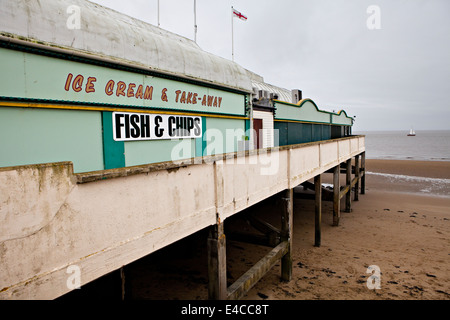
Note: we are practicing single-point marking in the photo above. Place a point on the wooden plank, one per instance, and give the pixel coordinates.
(262, 226)
(327, 195)
(318, 211)
(258, 239)
(239, 288)
(345, 189)
(308, 185)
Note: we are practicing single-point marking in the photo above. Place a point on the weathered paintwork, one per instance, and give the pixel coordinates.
(103, 32)
(100, 221)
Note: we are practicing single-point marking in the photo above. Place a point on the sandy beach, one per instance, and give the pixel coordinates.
(405, 233)
(395, 226)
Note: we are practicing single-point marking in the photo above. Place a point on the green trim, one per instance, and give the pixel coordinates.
(200, 144)
(113, 151)
(247, 125)
(204, 142)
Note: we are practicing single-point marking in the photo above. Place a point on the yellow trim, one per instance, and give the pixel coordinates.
(90, 108)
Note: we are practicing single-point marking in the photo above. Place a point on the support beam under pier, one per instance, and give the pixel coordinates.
(336, 196)
(348, 182)
(318, 210)
(357, 177)
(217, 264)
(287, 211)
(217, 288)
(363, 172)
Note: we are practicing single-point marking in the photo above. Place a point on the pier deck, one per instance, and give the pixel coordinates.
(59, 228)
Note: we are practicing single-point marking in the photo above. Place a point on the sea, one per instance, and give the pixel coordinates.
(396, 145)
(425, 146)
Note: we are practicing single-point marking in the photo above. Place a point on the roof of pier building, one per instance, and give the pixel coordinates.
(107, 34)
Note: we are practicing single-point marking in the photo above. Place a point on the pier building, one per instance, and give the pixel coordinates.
(119, 138)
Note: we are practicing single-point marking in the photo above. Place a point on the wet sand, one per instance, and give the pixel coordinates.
(407, 235)
(431, 169)
(397, 227)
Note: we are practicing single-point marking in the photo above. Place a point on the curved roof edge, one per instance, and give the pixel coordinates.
(103, 32)
(303, 101)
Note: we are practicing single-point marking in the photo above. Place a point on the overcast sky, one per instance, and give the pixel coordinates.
(391, 76)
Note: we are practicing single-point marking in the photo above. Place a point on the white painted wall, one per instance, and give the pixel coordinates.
(267, 118)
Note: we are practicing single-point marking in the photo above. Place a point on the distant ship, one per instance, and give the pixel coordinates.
(411, 133)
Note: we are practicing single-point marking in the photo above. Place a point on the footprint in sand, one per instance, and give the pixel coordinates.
(351, 270)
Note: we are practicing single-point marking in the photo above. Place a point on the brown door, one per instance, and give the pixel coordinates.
(257, 129)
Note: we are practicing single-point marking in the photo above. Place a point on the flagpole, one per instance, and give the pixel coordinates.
(232, 34)
(195, 21)
(158, 15)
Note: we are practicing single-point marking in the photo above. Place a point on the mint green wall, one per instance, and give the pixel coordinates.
(32, 76)
(37, 135)
(306, 112)
(144, 152)
(341, 119)
(221, 135)
(31, 136)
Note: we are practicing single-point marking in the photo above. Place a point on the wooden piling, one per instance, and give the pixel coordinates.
(348, 184)
(122, 280)
(286, 233)
(318, 210)
(217, 266)
(357, 176)
(336, 196)
(363, 172)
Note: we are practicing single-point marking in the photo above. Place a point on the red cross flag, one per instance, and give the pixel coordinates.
(237, 14)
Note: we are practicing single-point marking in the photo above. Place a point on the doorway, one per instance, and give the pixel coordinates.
(257, 129)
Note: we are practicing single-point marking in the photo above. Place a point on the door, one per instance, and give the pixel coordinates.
(257, 129)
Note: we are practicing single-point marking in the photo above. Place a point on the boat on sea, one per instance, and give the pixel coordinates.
(411, 133)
